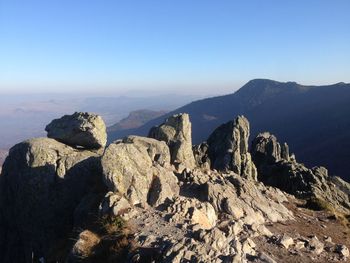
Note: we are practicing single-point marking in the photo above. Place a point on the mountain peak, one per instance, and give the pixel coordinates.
(257, 91)
(263, 84)
(262, 81)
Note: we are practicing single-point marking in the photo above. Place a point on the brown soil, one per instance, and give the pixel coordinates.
(306, 224)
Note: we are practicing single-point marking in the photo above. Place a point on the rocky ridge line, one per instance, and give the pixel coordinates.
(205, 205)
(276, 167)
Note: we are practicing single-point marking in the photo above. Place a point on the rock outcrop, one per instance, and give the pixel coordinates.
(42, 183)
(139, 169)
(228, 148)
(266, 149)
(244, 199)
(214, 220)
(176, 132)
(278, 169)
(213, 209)
(79, 129)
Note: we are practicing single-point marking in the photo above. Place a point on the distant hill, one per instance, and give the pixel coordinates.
(314, 120)
(135, 119)
(114, 109)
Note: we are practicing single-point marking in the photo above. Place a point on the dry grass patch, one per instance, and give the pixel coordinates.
(110, 241)
(319, 204)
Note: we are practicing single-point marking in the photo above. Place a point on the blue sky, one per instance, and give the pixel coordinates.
(183, 45)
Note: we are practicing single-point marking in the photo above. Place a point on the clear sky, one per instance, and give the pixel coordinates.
(191, 45)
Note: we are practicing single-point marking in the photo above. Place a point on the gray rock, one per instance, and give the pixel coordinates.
(280, 170)
(228, 148)
(328, 239)
(231, 207)
(204, 216)
(341, 184)
(114, 204)
(266, 149)
(243, 199)
(285, 152)
(265, 258)
(196, 231)
(316, 245)
(79, 129)
(200, 214)
(285, 241)
(200, 153)
(164, 186)
(342, 250)
(248, 247)
(42, 184)
(136, 167)
(177, 133)
(299, 245)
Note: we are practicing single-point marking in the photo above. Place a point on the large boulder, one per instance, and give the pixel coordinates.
(42, 184)
(278, 169)
(176, 132)
(228, 148)
(82, 129)
(139, 169)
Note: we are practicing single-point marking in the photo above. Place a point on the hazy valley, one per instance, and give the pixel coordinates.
(24, 116)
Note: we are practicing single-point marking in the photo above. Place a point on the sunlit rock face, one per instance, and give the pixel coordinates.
(79, 129)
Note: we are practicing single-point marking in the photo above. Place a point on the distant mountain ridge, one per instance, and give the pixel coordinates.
(135, 119)
(313, 119)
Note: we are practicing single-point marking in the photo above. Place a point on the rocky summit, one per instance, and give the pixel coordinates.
(70, 198)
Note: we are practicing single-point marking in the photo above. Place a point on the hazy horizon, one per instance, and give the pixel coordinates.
(197, 47)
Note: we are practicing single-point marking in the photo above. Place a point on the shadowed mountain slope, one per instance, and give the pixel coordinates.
(314, 120)
(135, 119)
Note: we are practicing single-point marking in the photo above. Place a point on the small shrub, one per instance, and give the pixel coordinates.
(114, 241)
(318, 204)
(110, 225)
(343, 219)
